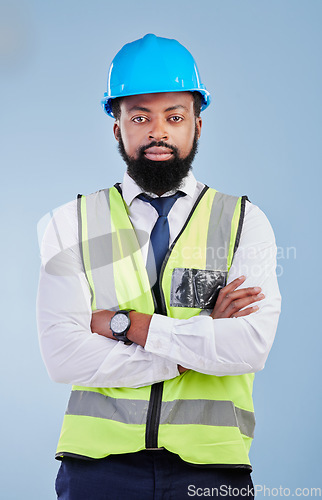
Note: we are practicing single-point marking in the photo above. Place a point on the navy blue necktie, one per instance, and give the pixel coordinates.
(160, 233)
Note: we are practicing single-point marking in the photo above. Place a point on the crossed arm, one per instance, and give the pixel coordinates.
(235, 339)
(231, 303)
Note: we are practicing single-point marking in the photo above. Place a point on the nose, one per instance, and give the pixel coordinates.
(158, 130)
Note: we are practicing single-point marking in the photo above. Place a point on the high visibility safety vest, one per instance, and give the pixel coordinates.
(205, 419)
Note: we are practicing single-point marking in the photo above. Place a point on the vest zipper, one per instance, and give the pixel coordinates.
(155, 402)
(154, 410)
(153, 416)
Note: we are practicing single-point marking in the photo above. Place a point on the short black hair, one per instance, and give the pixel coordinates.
(197, 103)
(116, 107)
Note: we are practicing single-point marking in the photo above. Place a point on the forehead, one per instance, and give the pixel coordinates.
(162, 101)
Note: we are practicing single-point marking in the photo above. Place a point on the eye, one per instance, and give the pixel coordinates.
(139, 119)
(176, 118)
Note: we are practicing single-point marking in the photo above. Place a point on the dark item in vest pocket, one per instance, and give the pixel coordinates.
(196, 288)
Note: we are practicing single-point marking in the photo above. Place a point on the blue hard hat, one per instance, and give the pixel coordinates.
(153, 64)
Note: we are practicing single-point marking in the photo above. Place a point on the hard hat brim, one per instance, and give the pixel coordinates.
(106, 101)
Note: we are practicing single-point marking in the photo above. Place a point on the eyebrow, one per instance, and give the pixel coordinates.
(147, 110)
(139, 108)
(172, 108)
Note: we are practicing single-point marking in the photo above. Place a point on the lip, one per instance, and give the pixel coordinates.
(157, 153)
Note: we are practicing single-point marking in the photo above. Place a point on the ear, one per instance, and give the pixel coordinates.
(198, 126)
(116, 130)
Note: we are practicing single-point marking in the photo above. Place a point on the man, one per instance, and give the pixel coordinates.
(158, 300)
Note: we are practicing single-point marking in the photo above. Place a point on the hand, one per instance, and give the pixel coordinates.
(231, 302)
(101, 323)
(182, 369)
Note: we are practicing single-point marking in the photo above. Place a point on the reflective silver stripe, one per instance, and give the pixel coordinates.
(219, 229)
(100, 249)
(94, 404)
(180, 412)
(207, 412)
(199, 411)
(246, 421)
(106, 247)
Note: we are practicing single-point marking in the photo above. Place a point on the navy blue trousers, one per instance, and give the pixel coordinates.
(148, 475)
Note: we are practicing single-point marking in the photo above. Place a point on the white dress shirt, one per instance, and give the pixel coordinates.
(73, 354)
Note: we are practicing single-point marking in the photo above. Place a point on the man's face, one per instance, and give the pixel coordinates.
(158, 135)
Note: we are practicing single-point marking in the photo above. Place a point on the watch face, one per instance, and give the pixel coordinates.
(119, 323)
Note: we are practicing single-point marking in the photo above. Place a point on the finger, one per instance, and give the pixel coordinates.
(243, 293)
(237, 305)
(245, 312)
(230, 288)
(234, 313)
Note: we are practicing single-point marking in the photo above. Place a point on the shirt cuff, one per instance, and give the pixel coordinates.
(159, 335)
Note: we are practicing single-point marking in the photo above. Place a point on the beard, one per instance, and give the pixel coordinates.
(158, 176)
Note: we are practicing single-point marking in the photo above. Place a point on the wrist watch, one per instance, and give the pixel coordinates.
(120, 324)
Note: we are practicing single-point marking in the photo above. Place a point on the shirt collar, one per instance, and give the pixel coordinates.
(131, 190)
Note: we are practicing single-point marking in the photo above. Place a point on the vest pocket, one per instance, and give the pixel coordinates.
(196, 288)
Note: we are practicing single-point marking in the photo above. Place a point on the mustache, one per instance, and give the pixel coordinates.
(159, 144)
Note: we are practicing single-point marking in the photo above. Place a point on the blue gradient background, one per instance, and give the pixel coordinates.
(261, 60)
